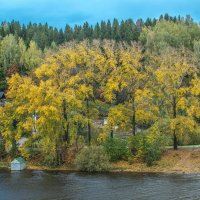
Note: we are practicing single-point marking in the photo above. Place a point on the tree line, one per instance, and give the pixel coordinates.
(44, 35)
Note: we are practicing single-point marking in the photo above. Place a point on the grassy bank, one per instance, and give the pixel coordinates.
(34, 166)
(182, 160)
(4, 164)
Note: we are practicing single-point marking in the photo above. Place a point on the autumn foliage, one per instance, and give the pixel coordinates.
(84, 82)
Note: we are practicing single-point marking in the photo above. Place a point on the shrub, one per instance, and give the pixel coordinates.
(92, 159)
(49, 161)
(47, 148)
(137, 145)
(2, 149)
(195, 138)
(149, 145)
(153, 152)
(116, 148)
(29, 150)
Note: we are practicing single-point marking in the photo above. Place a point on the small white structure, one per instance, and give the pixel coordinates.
(116, 127)
(18, 164)
(21, 141)
(105, 121)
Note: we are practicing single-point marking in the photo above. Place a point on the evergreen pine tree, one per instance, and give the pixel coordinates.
(115, 30)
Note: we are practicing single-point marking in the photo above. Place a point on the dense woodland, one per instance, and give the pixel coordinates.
(142, 76)
(45, 36)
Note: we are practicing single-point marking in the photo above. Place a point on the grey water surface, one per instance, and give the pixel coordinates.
(44, 185)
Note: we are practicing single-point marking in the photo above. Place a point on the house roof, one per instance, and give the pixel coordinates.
(18, 160)
(2, 95)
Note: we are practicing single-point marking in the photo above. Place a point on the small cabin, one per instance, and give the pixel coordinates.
(18, 164)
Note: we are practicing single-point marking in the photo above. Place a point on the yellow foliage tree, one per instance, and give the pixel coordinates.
(173, 87)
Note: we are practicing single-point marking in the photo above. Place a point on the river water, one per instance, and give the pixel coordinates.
(43, 185)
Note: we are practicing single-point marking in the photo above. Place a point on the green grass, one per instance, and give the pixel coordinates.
(184, 147)
(4, 164)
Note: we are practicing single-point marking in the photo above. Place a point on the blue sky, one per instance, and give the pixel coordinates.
(60, 12)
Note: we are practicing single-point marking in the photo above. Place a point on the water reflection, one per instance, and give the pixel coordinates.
(42, 185)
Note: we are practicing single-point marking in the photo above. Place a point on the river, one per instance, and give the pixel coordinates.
(44, 185)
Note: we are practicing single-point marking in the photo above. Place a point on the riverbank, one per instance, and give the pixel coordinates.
(182, 160)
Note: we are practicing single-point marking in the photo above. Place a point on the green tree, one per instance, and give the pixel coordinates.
(9, 52)
(115, 30)
(32, 57)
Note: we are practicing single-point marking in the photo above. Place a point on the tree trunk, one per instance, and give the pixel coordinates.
(174, 116)
(111, 134)
(89, 133)
(77, 134)
(133, 117)
(57, 155)
(89, 126)
(175, 141)
(66, 130)
(14, 148)
(66, 135)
